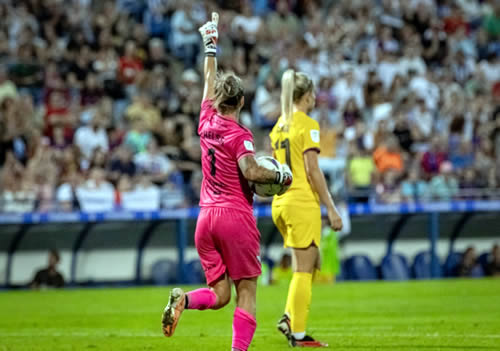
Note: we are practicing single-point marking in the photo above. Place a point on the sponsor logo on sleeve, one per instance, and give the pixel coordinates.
(248, 145)
(315, 135)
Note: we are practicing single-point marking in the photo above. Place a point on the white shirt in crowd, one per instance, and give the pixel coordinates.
(95, 197)
(265, 101)
(142, 198)
(423, 120)
(491, 71)
(184, 28)
(64, 193)
(343, 92)
(386, 71)
(153, 163)
(17, 201)
(413, 63)
(426, 90)
(249, 25)
(87, 139)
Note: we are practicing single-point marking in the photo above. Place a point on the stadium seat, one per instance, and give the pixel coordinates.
(422, 268)
(164, 272)
(194, 273)
(477, 271)
(483, 260)
(359, 267)
(450, 267)
(394, 267)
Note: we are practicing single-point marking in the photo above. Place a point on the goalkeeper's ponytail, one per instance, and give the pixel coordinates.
(287, 88)
(293, 87)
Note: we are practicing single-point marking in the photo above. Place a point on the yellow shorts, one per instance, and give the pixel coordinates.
(299, 226)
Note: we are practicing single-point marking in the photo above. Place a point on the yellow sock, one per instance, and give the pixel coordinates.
(298, 301)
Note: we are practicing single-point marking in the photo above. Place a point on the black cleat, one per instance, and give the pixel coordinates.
(284, 327)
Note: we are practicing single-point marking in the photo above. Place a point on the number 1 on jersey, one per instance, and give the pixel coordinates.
(211, 154)
(285, 144)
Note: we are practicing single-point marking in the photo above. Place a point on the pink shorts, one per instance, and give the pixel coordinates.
(227, 240)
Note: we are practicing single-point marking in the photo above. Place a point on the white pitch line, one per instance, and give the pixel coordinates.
(258, 334)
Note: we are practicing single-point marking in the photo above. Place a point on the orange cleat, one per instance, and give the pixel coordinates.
(173, 311)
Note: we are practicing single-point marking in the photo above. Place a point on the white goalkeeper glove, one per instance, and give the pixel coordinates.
(284, 177)
(210, 35)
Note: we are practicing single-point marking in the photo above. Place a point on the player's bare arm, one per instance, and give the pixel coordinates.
(209, 33)
(258, 174)
(210, 72)
(318, 183)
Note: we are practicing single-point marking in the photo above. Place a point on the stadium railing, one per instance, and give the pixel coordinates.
(433, 209)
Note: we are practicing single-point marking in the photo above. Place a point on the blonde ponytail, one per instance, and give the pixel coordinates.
(287, 89)
(293, 87)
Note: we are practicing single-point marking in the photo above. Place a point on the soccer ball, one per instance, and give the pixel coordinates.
(268, 190)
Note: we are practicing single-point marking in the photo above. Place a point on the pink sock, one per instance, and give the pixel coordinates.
(201, 299)
(244, 325)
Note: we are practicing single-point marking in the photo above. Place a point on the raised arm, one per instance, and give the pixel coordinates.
(318, 183)
(210, 35)
(210, 71)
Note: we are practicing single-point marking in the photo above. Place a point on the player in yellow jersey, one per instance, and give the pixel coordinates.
(297, 213)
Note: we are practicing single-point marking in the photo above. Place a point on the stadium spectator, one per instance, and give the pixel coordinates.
(154, 163)
(491, 22)
(413, 188)
(463, 157)
(445, 185)
(121, 164)
(143, 110)
(388, 156)
(155, 18)
(96, 194)
(469, 263)
(49, 277)
(91, 92)
(494, 263)
(249, 25)
(348, 88)
(421, 120)
(7, 88)
(138, 137)
(89, 138)
(404, 132)
(184, 25)
(470, 183)
(351, 114)
(18, 191)
(426, 72)
(283, 22)
(388, 189)
(361, 170)
(66, 192)
(139, 195)
(267, 106)
(434, 157)
(129, 65)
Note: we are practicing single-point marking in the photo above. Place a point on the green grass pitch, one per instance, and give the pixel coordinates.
(428, 315)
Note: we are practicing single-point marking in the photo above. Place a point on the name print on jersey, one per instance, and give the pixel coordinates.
(213, 136)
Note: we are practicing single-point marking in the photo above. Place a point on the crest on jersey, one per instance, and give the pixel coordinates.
(248, 145)
(315, 135)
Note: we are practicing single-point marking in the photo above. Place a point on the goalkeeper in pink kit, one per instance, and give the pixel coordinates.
(227, 238)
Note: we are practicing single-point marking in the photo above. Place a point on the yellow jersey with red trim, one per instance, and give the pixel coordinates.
(289, 143)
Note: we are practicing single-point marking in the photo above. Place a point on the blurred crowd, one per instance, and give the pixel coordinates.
(102, 97)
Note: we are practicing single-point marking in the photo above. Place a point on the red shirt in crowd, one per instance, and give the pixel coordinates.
(128, 68)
